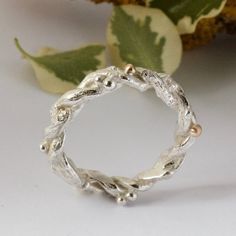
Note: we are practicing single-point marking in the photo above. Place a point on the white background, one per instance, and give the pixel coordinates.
(127, 131)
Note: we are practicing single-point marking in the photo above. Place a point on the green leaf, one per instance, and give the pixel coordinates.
(144, 37)
(58, 72)
(186, 13)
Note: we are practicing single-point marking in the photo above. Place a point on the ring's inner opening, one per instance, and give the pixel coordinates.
(121, 133)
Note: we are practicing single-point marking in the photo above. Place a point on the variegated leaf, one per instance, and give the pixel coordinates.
(58, 72)
(186, 13)
(144, 37)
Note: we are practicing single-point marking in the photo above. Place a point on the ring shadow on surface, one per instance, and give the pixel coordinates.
(193, 194)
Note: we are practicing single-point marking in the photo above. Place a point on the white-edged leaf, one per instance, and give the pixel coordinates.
(58, 72)
(186, 13)
(145, 37)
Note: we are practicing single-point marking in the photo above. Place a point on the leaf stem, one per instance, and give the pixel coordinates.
(18, 46)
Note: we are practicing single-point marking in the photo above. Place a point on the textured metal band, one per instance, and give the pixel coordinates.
(105, 81)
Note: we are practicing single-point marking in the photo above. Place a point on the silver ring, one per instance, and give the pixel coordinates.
(100, 83)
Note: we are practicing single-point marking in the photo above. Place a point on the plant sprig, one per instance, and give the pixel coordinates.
(145, 33)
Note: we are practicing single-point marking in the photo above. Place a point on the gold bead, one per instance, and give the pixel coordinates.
(196, 130)
(129, 69)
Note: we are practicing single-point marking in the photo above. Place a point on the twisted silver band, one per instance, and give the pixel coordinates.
(105, 81)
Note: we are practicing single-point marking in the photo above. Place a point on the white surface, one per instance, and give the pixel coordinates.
(199, 200)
